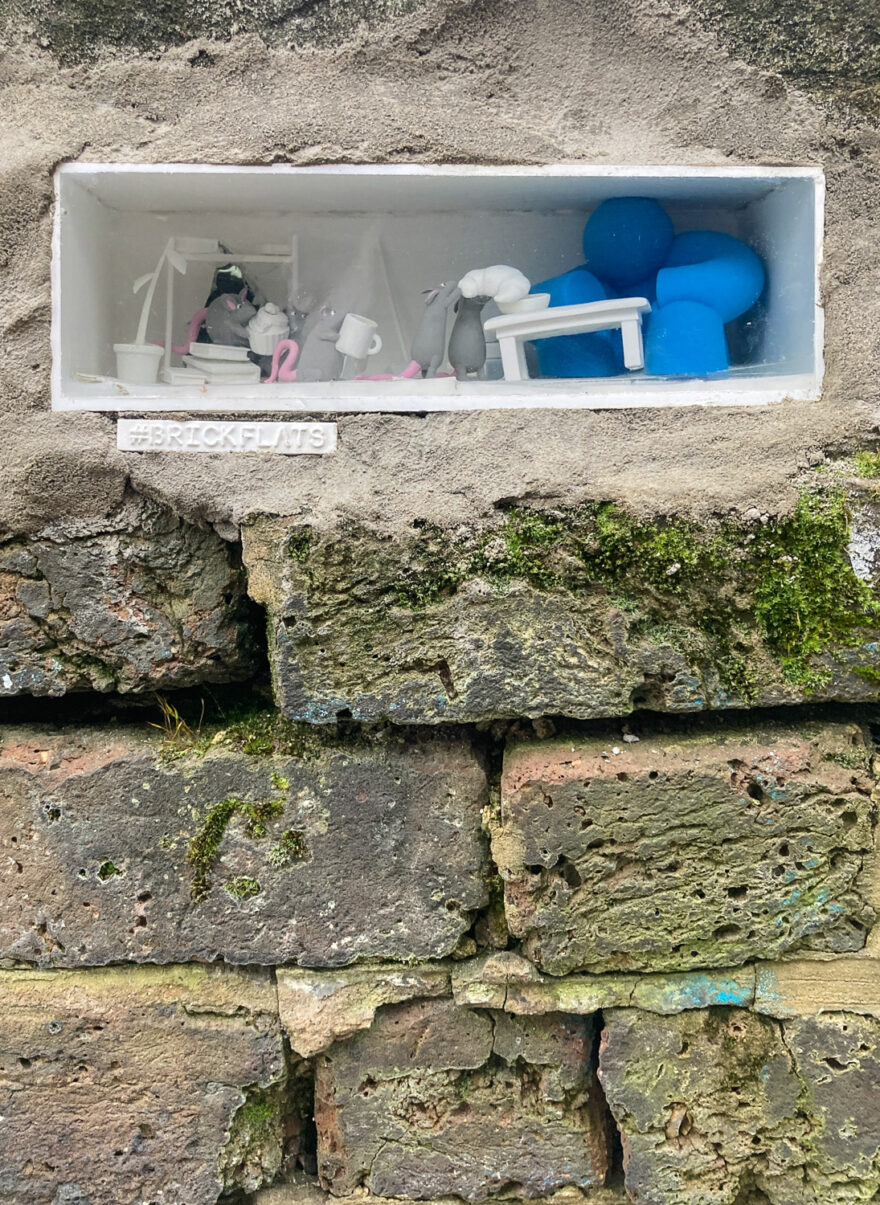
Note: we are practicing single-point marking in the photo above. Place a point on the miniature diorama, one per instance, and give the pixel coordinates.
(621, 287)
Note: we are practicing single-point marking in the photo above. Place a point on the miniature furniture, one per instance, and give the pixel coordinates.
(208, 251)
(512, 330)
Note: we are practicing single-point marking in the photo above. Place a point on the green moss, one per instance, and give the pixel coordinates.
(291, 848)
(298, 545)
(867, 464)
(203, 848)
(242, 887)
(856, 759)
(263, 732)
(717, 593)
(254, 1149)
(807, 596)
(107, 870)
(280, 783)
(569, 549)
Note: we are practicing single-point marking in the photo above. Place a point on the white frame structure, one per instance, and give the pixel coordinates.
(74, 391)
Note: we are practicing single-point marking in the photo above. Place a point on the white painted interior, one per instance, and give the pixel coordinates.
(367, 234)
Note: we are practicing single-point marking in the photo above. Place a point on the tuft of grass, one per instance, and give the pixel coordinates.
(179, 736)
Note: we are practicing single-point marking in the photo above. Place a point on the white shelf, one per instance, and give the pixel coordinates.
(373, 238)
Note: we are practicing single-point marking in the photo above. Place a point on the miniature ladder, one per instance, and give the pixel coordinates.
(512, 330)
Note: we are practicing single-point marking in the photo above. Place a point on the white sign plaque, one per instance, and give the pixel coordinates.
(286, 439)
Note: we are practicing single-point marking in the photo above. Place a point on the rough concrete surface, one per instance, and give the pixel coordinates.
(136, 600)
(717, 1103)
(438, 1100)
(120, 1086)
(687, 853)
(449, 81)
(316, 856)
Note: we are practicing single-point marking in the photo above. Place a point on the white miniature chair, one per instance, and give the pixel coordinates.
(512, 330)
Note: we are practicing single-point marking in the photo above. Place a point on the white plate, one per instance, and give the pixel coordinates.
(218, 351)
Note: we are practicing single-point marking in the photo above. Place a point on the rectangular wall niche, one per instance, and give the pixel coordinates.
(372, 240)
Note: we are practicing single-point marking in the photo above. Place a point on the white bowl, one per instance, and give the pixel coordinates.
(138, 363)
(532, 301)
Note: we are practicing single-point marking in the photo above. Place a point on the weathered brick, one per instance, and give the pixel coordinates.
(317, 855)
(438, 1100)
(318, 1008)
(681, 851)
(135, 601)
(582, 612)
(714, 1103)
(123, 1086)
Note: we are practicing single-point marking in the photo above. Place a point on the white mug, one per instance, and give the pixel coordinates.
(358, 337)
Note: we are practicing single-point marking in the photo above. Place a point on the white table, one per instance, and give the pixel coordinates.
(512, 330)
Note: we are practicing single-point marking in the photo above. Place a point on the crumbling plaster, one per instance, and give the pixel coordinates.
(502, 81)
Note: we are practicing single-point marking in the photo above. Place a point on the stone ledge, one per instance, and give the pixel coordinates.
(318, 1008)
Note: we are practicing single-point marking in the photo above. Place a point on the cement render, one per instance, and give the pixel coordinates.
(498, 82)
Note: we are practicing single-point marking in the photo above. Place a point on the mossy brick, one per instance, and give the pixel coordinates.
(124, 1085)
(136, 601)
(717, 1104)
(388, 861)
(704, 849)
(436, 1100)
(583, 611)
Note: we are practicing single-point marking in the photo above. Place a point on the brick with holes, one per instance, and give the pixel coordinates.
(716, 1104)
(257, 842)
(129, 1085)
(437, 1100)
(708, 846)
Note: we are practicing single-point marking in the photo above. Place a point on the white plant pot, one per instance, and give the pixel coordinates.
(525, 305)
(138, 363)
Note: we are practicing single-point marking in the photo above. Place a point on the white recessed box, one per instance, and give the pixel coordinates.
(373, 238)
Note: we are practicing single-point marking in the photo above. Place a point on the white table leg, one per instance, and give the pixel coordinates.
(513, 359)
(633, 351)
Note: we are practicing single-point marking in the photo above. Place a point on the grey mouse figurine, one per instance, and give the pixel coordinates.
(227, 318)
(467, 343)
(429, 344)
(319, 360)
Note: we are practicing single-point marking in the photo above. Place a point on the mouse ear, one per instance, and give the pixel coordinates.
(243, 294)
(230, 305)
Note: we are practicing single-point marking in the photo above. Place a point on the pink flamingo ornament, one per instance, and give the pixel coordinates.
(283, 359)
